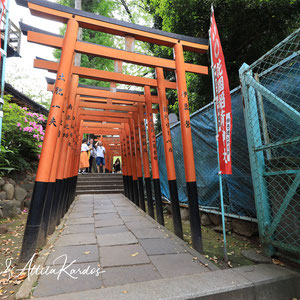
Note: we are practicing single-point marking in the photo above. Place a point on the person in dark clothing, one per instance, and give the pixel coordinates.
(91, 158)
(117, 165)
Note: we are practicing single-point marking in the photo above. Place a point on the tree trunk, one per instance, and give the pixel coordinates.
(79, 37)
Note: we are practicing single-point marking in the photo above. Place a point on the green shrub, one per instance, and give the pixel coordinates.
(22, 137)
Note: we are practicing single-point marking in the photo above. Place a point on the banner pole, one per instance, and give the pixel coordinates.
(217, 140)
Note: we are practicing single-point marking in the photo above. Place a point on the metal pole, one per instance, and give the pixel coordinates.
(4, 67)
(219, 174)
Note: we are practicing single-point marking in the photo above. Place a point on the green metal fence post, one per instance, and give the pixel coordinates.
(257, 160)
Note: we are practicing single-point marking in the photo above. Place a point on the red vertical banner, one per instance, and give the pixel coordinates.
(222, 98)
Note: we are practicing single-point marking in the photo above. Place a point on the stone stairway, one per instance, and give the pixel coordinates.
(94, 183)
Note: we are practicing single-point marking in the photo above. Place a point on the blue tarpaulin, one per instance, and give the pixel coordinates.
(238, 190)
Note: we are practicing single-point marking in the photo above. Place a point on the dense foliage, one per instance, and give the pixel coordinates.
(247, 28)
(22, 137)
(104, 8)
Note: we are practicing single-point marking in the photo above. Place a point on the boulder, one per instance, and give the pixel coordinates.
(20, 193)
(3, 229)
(184, 213)
(10, 190)
(29, 195)
(215, 219)
(2, 195)
(219, 229)
(245, 228)
(10, 208)
(169, 208)
(256, 256)
(17, 203)
(27, 202)
(28, 178)
(205, 221)
(228, 225)
(11, 181)
(28, 186)
(2, 181)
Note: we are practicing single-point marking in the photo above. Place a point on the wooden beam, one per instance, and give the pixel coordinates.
(131, 97)
(104, 119)
(101, 131)
(102, 125)
(105, 100)
(56, 12)
(115, 95)
(104, 113)
(108, 106)
(112, 53)
(101, 75)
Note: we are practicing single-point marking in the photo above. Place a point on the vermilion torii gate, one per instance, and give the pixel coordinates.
(76, 110)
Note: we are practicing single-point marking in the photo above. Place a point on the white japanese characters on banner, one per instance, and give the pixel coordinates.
(222, 98)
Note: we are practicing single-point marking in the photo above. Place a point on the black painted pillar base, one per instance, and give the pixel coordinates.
(194, 216)
(125, 185)
(73, 181)
(135, 192)
(71, 191)
(158, 202)
(55, 205)
(68, 195)
(63, 198)
(123, 177)
(74, 190)
(149, 197)
(130, 180)
(46, 215)
(141, 193)
(33, 221)
(177, 224)
(61, 203)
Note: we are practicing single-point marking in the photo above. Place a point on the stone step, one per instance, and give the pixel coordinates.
(100, 182)
(83, 179)
(87, 177)
(100, 187)
(101, 175)
(109, 179)
(83, 192)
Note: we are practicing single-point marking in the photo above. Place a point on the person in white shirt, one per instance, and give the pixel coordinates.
(100, 159)
(84, 162)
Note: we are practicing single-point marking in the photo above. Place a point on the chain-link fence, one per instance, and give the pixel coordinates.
(271, 91)
(238, 190)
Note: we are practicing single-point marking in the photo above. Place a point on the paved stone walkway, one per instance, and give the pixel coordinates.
(110, 235)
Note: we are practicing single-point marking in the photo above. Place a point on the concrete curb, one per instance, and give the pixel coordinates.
(259, 282)
(27, 285)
